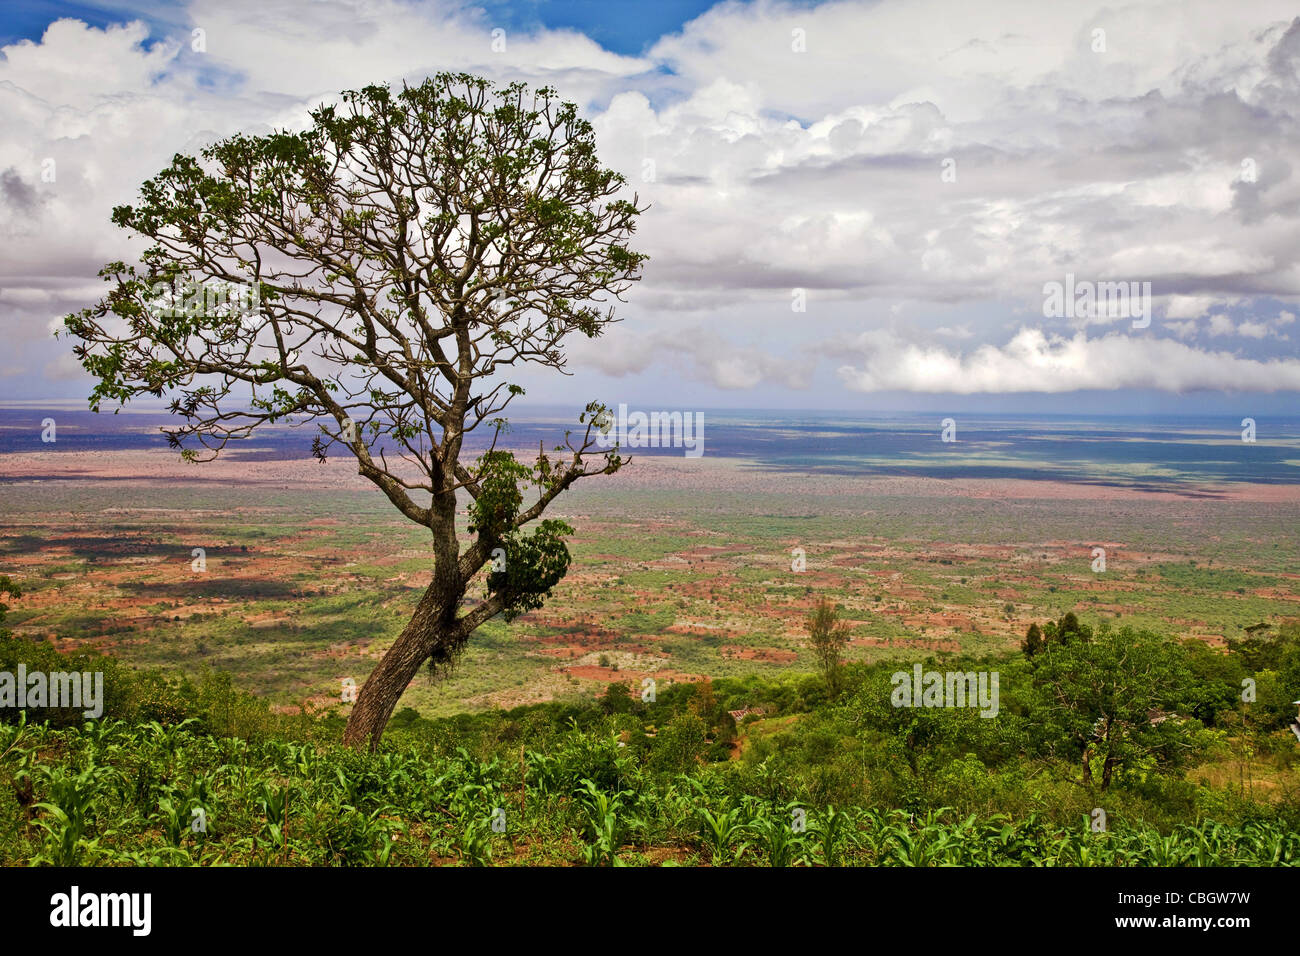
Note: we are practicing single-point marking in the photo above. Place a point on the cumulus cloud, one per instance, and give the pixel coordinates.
(89, 114)
(1115, 165)
(1188, 306)
(1221, 325)
(1035, 362)
(949, 155)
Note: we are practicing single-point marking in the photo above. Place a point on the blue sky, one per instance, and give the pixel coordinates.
(27, 20)
(623, 26)
(948, 163)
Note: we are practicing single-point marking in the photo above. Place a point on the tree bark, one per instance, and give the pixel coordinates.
(427, 631)
(1107, 769)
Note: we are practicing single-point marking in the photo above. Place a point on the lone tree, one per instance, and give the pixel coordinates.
(381, 275)
(828, 635)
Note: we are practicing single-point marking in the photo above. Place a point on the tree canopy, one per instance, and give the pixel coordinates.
(383, 275)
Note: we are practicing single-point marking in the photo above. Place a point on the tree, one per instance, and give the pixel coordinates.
(828, 635)
(681, 744)
(1064, 631)
(1068, 628)
(1262, 648)
(616, 699)
(381, 275)
(1033, 642)
(703, 702)
(1117, 697)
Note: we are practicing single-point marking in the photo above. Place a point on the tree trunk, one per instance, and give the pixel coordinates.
(425, 632)
(432, 631)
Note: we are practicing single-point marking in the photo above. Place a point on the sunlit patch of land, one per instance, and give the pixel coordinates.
(682, 569)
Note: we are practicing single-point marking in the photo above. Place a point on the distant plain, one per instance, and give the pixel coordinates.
(683, 568)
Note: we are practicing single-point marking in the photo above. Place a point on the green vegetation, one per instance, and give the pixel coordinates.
(1151, 731)
(828, 636)
(303, 590)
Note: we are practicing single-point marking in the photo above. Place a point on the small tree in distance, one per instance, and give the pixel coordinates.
(1033, 642)
(829, 636)
(407, 253)
(1064, 631)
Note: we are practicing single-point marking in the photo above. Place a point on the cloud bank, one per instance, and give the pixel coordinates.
(911, 172)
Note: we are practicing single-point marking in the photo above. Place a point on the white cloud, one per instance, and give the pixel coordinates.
(1189, 306)
(1034, 362)
(772, 169)
(1221, 325)
(960, 332)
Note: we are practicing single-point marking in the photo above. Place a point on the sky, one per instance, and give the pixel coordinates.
(853, 205)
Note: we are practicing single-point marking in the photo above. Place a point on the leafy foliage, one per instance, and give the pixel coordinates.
(828, 636)
(644, 782)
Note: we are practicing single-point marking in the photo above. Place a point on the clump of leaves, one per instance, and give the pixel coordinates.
(527, 566)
